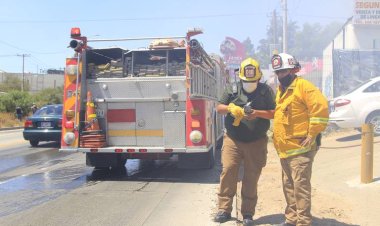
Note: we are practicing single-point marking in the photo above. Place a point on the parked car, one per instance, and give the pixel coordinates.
(357, 107)
(44, 125)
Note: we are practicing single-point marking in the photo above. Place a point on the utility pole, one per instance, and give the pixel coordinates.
(23, 67)
(273, 46)
(274, 27)
(285, 27)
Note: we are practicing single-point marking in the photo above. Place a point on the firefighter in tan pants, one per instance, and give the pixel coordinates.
(301, 115)
(245, 139)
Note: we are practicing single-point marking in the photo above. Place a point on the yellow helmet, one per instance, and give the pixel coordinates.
(253, 64)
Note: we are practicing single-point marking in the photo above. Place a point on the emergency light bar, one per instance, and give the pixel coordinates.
(75, 32)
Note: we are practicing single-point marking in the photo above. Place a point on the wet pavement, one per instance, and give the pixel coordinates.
(50, 174)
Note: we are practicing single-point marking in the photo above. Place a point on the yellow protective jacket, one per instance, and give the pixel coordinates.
(301, 111)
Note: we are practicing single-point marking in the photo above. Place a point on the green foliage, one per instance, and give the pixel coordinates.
(304, 44)
(262, 53)
(249, 47)
(16, 98)
(13, 99)
(49, 96)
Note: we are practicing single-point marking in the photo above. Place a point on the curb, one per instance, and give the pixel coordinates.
(11, 128)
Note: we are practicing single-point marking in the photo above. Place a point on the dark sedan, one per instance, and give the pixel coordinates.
(44, 125)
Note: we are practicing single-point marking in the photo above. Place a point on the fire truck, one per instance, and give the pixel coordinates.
(154, 103)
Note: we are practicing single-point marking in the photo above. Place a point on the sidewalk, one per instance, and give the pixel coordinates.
(338, 197)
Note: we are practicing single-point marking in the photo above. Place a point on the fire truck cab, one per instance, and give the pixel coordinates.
(149, 103)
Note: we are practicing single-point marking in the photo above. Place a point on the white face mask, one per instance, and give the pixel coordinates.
(249, 87)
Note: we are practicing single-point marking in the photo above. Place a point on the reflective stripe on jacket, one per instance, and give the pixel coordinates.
(300, 112)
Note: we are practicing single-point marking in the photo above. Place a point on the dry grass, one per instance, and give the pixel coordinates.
(9, 120)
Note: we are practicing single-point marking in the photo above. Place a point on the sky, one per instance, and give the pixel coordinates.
(40, 29)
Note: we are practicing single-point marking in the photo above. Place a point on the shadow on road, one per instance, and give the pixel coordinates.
(356, 137)
(279, 218)
(159, 171)
(350, 138)
(51, 144)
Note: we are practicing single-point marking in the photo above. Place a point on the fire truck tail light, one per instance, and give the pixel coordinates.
(196, 136)
(69, 125)
(195, 124)
(143, 150)
(75, 32)
(93, 150)
(118, 150)
(168, 150)
(71, 69)
(69, 138)
(130, 150)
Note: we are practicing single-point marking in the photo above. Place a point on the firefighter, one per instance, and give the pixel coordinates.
(19, 113)
(245, 139)
(34, 108)
(301, 115)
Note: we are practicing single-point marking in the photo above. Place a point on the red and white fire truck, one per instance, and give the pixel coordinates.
(148, 103)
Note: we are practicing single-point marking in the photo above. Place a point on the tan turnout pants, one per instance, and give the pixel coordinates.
(254, 155)
(296, 176)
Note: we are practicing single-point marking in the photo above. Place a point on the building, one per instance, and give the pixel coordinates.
(352, 57)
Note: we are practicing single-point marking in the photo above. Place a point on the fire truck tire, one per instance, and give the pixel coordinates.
(105, 160)
(196, 160)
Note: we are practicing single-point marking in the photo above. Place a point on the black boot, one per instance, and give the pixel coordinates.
(222, 217)
(247, 220)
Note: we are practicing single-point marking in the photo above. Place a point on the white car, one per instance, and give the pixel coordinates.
(360, 106)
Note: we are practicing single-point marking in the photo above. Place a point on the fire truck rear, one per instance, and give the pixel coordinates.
(150, 103)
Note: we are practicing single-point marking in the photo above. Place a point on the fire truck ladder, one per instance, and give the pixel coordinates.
(203, 84)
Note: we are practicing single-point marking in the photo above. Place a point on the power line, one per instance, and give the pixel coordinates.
(131, 19)
(24, 50)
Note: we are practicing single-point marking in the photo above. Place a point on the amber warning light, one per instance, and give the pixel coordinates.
(75, 32)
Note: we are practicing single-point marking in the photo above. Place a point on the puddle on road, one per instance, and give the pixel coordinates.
(23, 192)
(56, 179)
(47, 156)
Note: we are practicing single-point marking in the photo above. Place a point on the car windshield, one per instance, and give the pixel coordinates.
(50, 110)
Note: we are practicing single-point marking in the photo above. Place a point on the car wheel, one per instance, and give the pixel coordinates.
(34, 143)
(374, 119)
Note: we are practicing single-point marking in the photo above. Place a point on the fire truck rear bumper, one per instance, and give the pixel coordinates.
(143, 150)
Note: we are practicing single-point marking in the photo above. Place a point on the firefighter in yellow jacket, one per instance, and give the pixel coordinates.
(301, 115)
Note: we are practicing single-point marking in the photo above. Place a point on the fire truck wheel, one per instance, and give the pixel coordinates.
(196, 160)
(105, 160)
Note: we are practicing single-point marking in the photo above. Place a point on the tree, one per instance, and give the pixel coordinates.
(305, 44)
(13, 99)
(249, 47)
(49, 96)
(262, 53)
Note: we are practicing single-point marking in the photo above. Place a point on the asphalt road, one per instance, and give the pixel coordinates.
(41, 186)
